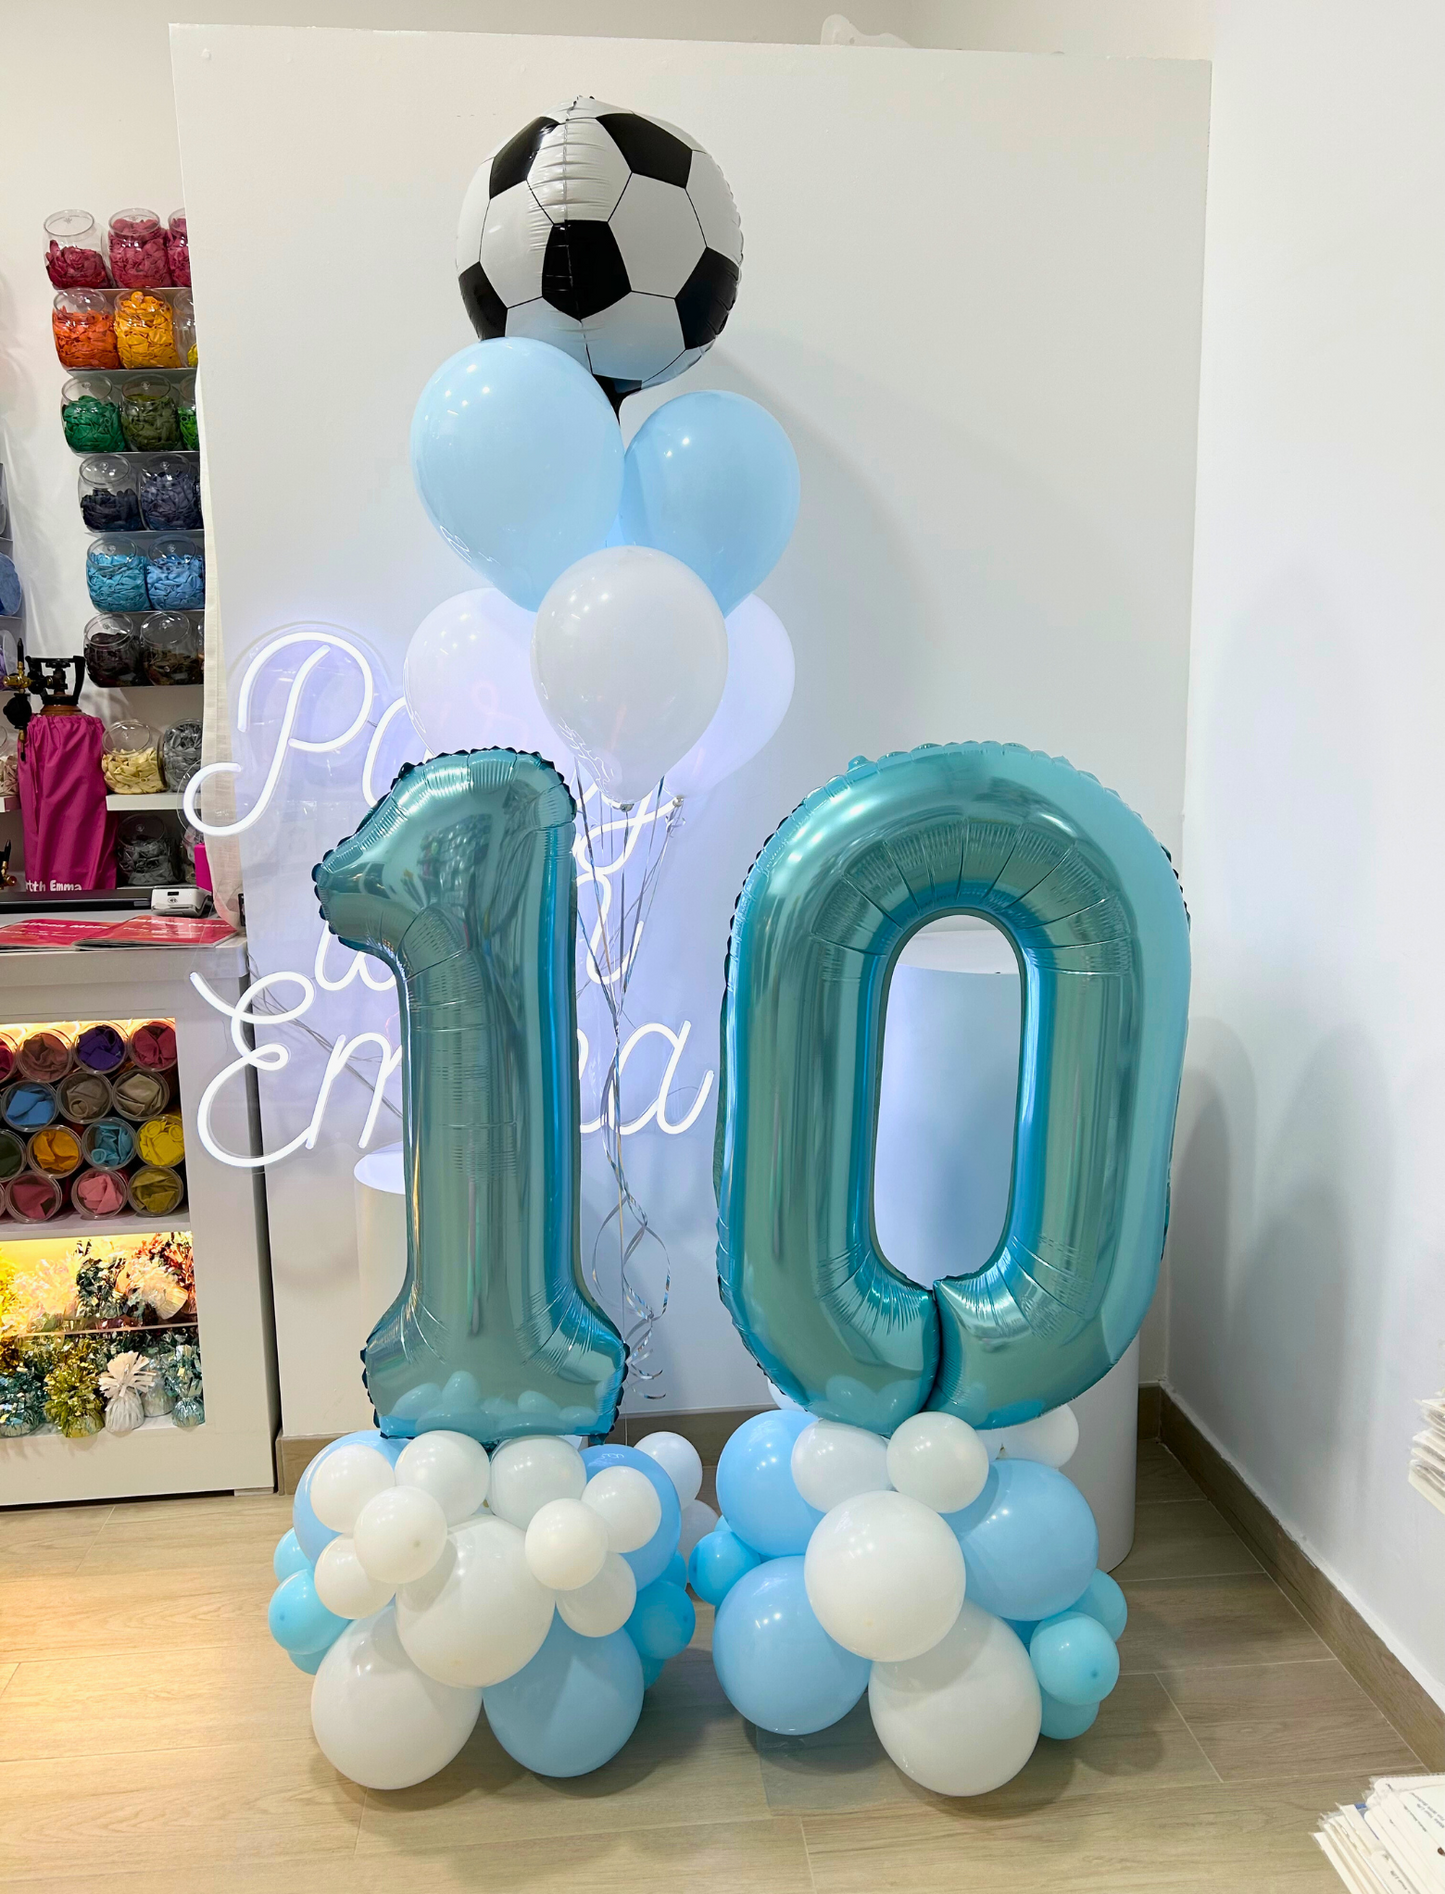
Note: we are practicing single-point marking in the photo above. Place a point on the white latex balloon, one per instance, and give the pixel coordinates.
(527, 1473)
(377, 1718)
(566, 1544)
(754, 702)
(1052, 1439)
(480, 1614)
(453, 1468)
(698, 1520)
(679, 1460)
(400, 1535)
(626, 1502)
(344, 1585)
(938, 1459)
(629, 657)
(604, 1604)
(782, 1400)
(884, 1575)
(344, 1481)
(468, 679)
(832, 1463)
(964, 1717)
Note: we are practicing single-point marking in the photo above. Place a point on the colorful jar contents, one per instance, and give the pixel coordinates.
(99, 1193)
(12, 592)
(145, 332)
(12, 1155)
(148, 415)
(176, 575)
(138, 1096)
(100, 1049)
(180, 754)
(144, 853)
(55, 1151)
(188, 424)
(8, 1043)
(178, 248)
(30, 1106)
(109, 1144)
(170, 493)
(84, 1097)
(153, 1046)
(109, 502)
(171, 648)
(162, 1141)
(73, 256)
(46, 1054)
(115, 577)
(9, 786)
(84, 330)
(133, 772)
(154, 1191)
(138, 250)
(112, 652)
(34, 1198)
(90, 418)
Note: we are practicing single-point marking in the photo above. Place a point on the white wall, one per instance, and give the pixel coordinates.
(1308, 1292)
(974, 307)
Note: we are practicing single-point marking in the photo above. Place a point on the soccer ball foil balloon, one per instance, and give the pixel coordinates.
(608, 234)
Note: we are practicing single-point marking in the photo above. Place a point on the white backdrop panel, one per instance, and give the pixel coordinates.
(970, 292)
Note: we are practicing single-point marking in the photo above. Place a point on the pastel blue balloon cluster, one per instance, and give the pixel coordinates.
(518, 459)
(1029, 1546)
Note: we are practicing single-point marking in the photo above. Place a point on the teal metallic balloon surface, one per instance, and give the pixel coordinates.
(1093, 909)
(462, 881)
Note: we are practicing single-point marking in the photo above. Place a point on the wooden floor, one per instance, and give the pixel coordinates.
(153, 1740)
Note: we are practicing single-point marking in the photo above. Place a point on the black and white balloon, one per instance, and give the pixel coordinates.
(612, 235)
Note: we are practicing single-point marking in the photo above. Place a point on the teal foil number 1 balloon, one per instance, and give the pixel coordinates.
(1093, 910)
(462, 881)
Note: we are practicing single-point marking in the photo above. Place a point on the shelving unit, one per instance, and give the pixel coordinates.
(131, 805)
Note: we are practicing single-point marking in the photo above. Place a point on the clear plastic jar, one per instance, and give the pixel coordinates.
(130, 762)
(170, 494)
(138, 250)
(144, 852)
(12, 592)
(153, 1045)
(12, 1155)
(9, 786)
(180, 754)
(84, 1097)
(74, 258)
(30, 1105)
(35, 1198)
(178, 248)
(112, 652)
(148, 415)
(109, 502)
(145, 331)
(171, 648)
(102, 1048)
(176, 575)
(46, 1053)
(162, 1140)
(55, 1152)
(155, 1191)
(90, 417)
(186, 413)
(84, 329)
(139, 1095)
(186, 329)
(115, 575)
(98, 1193)
(109, 1144)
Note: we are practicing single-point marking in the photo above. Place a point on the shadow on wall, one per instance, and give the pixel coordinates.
(1276, 1336)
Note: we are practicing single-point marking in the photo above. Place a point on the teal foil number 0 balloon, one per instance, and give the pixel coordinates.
(1093, 910)
(462, 881)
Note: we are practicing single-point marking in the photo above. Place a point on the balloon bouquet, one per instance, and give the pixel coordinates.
(619, 635)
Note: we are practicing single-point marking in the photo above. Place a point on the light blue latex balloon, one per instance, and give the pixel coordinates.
(573, 1707)
(517, 457)
(662, 1621)
(1103, 1598)
(777, 1665)
(311, 1535)
(755, 1487)
(712, 479)
(297, 1618)
(675, 1571)
(309, 1661)
(719, 1560)
(652, 1560)
(1091, 905)
(1074, 1658)
(1065, 1720)
(288, 1556)
(652, 1669)
(1029, 1541)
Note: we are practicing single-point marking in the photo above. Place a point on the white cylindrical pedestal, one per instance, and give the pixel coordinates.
(945, 1159)
(380, 1232)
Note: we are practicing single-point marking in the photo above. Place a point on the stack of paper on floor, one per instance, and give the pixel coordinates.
(1395, 1842)
(1427, 1453)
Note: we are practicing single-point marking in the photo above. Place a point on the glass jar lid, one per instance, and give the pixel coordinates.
(129, 735)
